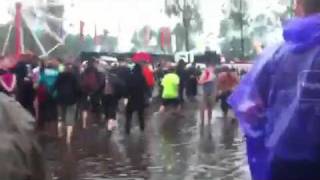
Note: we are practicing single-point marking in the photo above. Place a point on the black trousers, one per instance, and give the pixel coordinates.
(192, 89)
(181, 92)
(131, 108)
(224, 101)
(110, 105)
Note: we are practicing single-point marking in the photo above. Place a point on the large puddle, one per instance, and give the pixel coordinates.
(173, 147)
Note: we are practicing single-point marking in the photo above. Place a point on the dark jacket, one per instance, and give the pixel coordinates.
(182, 73)
(137, 88)
(25, 91)
(92, 81)
(67, 89)
(123, 76)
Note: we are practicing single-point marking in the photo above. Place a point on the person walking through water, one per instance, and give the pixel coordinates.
(136, 98)
(192, 84)
(92, 85)
(277, 102)
(115, 88)
(67, 90)
(47, 104)
(170, 93)
(181, 72)
(227, 81)
(208, 82)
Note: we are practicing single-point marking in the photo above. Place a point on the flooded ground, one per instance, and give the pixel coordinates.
(173, 147)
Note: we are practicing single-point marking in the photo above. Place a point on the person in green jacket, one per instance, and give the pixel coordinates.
(170, 94)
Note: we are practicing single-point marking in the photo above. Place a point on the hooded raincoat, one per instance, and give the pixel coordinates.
(278, 102)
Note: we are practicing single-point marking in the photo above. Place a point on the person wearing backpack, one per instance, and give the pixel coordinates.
(208, 82)
(67, 90)
(45, 95)
(114, 90)
(92, 86)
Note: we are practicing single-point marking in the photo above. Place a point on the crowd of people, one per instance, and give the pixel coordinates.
(59, 93)
(276, 103)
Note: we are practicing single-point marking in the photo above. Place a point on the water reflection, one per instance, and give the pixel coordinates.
(173, 147)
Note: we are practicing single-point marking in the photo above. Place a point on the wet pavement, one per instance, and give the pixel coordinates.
(173, 147)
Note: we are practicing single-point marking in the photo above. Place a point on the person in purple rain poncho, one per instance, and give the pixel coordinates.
(278, 102)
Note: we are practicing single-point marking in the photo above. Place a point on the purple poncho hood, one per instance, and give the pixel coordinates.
(278, 102)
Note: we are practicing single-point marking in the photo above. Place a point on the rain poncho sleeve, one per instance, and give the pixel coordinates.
(250, 98)
(249, 101)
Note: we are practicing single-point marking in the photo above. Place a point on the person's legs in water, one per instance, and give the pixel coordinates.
(110, 104)
(129, 112)
(210, 105)
(85, 111)
(163, 105)
(113, 112)
(178, 105)
(61, 119)
(224, 104)
(181, 93)
(150, 95)
(203, 108)
(41, 116)
(106, 107)
(51, 117)
(70, 121)
(141, 118)
(202, 113)
(84, 118)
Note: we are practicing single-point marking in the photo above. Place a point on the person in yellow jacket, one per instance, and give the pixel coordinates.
(170, 94)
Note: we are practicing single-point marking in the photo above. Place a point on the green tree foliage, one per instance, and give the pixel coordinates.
(239, 30)
(191, 20)
(235, 41)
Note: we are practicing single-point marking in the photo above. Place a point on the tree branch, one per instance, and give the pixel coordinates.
(178, 5)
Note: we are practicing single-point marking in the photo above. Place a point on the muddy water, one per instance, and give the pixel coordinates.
(173, 147)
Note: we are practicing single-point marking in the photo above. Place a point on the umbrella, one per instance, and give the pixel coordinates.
(142, 57)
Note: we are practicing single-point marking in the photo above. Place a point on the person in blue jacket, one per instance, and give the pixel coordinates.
(278, 102)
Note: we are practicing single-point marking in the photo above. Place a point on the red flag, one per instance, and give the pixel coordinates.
(18, 30)
(165, 37)
(81, 30)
